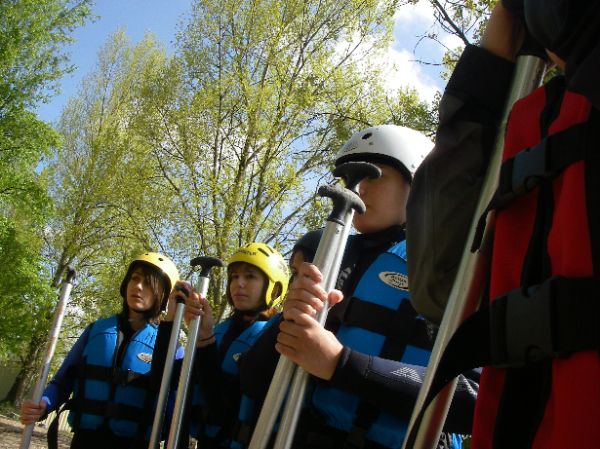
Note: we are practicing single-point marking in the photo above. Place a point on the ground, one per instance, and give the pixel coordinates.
(10, 436)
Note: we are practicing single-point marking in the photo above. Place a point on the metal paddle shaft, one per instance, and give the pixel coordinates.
(327, 258)
(59, 313)
(165, 383)
(206, 264)
(470, 279)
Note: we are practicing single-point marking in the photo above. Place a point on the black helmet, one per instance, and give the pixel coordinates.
(308, 244)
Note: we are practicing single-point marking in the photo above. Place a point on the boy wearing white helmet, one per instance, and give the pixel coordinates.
(110, 407)
(370, 357)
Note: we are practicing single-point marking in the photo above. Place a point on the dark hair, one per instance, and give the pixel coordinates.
(306, 245)
(157, 283)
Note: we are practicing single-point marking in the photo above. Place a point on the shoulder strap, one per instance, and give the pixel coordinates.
(527, 170)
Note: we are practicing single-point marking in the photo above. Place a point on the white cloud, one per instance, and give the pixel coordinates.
(452, 41)
(416, 57)
(413, 60)
(403, 71)
(411, 23)
(420, 12)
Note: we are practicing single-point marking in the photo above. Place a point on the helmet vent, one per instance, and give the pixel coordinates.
(161, 259)
(367, 136)
(264, 252)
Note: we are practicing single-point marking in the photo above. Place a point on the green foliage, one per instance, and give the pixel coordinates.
(32, 38)
(25, 294)
(32, 59)
(244, 121)
(222, 144)
(100, 181)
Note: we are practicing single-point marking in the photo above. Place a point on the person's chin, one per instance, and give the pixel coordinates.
(365, 228)
(240, 306)
(137, 306)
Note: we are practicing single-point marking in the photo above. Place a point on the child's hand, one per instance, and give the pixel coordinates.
(306, 294)
(181, 290)
(197, 306)
(301, 338)
(31, 412)
(305, 342)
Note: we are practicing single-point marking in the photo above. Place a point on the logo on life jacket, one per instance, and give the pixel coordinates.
(394, 280)
(145, 357)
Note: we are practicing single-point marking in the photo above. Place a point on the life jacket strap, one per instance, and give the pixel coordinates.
(115, 375)
(108, 410)
(550, 320)
(530, 167)
(559, 317)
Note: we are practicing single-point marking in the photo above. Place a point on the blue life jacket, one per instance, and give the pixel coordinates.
(229, 366)
(378, 321)
(113, 391)
(248, 411)
(240, 345)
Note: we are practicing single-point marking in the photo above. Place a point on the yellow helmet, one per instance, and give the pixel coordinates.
(163, 264)
(270, 262)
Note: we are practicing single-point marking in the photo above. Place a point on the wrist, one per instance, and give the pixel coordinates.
(202, 342)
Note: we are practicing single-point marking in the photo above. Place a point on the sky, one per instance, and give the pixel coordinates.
(163, 16)
(136, 16)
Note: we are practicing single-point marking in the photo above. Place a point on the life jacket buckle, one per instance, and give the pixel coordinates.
(529, 169)
(521, 326)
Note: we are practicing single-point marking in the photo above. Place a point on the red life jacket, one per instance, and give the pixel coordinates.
(542, 234)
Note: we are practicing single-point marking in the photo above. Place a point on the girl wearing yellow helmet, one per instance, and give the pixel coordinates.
(108, 370)
(257, 281)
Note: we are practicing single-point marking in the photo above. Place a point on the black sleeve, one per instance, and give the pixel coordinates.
(394, 386)
(159, 356)
(207, 374)
(447, 184)
(257, 365)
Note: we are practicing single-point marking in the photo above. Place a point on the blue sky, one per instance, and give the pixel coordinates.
(136, 16)
(163, 16)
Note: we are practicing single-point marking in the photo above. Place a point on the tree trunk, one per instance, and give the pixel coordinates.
(28, 374)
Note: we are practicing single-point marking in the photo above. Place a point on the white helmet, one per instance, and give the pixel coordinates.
(400, 147)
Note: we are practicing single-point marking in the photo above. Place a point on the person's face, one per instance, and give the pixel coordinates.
(246, 287)
(296, 260)
(385, 201)
(140, 296)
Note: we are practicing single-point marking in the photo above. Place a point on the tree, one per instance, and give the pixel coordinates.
(142, 121)
(244, 122)
(99, 180)
(32, 60)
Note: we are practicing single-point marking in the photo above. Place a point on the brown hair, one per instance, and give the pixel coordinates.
(157, 283)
